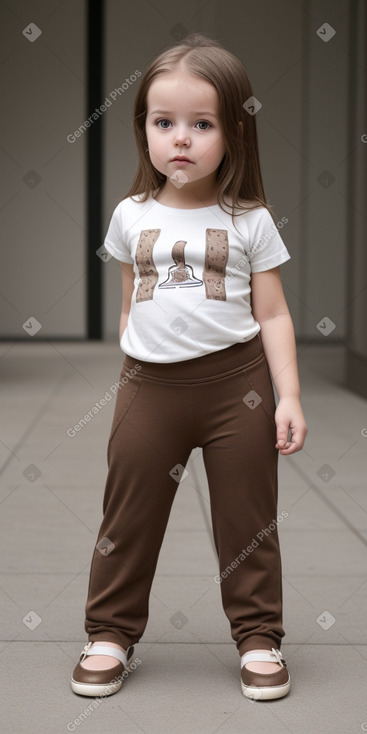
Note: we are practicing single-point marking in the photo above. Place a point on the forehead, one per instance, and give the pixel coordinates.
(181, 90)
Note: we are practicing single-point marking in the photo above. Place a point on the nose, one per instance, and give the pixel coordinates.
(182, 138)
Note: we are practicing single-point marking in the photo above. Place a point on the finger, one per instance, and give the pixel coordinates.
(282, 435)
(290, 448)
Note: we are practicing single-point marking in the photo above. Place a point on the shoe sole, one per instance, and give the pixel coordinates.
(95, 689)
(256, 693)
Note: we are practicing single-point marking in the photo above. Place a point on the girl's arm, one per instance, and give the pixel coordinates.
(269, 308)
(127, 273)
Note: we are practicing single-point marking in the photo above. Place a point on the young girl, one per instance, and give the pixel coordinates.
(198, 288)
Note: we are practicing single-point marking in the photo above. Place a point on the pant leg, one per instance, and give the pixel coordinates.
(241, 464)
(149, 437)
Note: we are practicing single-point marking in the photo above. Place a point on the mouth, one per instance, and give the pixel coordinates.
(181, 159)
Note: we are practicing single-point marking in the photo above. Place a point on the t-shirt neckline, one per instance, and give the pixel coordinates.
(181, 210)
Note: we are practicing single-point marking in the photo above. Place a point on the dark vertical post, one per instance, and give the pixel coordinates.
(351, 189)
(95, 58)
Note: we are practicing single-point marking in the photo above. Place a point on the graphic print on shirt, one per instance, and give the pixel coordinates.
(216, 258)
(145, 262)
(181, 275)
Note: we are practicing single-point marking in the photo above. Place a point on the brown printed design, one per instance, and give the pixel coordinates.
(216, 258)
(145, 262)
(180, 275)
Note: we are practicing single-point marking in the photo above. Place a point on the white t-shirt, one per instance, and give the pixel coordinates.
(192, 275)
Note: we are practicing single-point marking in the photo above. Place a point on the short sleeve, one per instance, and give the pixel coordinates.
(267, 249)
(114, 241)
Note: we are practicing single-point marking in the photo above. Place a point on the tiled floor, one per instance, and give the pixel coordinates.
(188, 678)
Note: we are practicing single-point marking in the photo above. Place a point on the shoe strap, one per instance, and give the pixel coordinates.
(267, 656)
(103, 650)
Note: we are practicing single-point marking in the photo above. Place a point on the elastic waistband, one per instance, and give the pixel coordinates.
(216, 364)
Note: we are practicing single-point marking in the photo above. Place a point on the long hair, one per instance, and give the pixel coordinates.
(238, 176)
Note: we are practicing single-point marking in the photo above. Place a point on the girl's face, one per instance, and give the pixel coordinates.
(182, 120)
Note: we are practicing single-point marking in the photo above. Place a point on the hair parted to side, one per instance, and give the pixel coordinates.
(239, 175)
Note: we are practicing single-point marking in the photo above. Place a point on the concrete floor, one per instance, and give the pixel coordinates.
(188, 679)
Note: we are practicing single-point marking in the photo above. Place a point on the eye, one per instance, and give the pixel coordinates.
(158, 121)
(205, 123)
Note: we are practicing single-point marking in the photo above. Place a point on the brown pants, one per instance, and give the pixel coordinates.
(223, 402)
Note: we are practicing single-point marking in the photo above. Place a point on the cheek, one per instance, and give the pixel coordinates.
(155, 141)
(157, 156)
(152, 133)
(213, 148)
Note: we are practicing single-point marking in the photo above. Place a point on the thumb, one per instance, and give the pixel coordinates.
(282, 434)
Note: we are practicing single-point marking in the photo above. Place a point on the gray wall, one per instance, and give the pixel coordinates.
(42, 209)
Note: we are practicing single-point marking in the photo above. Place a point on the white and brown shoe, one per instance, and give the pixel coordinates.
(264, 686)
(100, 682)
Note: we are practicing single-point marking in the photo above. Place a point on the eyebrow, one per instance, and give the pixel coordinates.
(169, 112)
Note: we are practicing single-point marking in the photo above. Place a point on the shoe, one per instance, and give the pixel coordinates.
(264, 686)
(100, 682)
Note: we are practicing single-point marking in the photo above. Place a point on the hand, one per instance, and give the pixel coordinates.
(289, 416)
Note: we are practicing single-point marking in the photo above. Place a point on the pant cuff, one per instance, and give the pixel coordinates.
(258, 642)
(109, 637)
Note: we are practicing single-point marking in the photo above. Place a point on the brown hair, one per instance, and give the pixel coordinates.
(238, 175)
